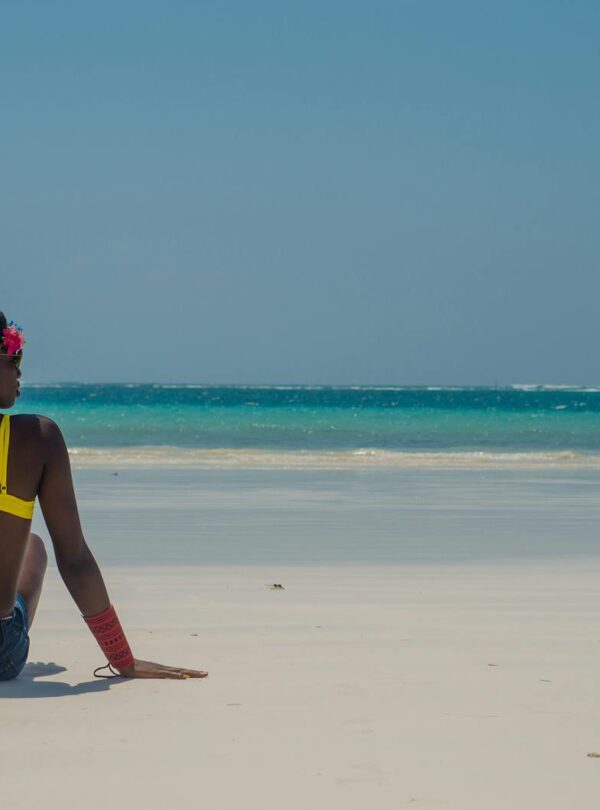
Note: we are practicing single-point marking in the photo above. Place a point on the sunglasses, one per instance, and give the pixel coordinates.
(15, 359)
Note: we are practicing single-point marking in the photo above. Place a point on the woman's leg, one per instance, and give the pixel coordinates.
(32, 573)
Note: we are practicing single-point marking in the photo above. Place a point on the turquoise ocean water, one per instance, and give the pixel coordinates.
(351, 421)
(276, 476)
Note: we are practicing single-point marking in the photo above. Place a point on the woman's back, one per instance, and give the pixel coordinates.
(24, 472)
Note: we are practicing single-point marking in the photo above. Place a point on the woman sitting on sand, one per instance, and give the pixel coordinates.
(38, 465)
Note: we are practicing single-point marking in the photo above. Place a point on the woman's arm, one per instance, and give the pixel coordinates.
(76, 563)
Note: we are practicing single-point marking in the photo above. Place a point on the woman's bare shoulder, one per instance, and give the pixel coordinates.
(35, 426)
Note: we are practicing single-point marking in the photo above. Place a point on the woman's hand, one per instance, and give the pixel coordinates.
(147, 669)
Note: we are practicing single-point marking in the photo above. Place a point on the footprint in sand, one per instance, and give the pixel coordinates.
(362, 772)
(358, 725)
(350, 690)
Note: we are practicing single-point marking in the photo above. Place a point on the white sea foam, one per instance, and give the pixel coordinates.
(540, 387)
(261, 386)
(47, 385)
(256, 458)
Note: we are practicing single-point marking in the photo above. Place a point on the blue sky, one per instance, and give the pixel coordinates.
(302, 192)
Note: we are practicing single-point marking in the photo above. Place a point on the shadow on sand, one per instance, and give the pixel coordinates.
(26, 685)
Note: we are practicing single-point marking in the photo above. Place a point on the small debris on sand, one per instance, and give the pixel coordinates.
(276, 586)
(594, 755)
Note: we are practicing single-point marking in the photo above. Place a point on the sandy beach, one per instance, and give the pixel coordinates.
(429, 676)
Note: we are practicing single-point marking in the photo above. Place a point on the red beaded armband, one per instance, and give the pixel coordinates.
(109, 634)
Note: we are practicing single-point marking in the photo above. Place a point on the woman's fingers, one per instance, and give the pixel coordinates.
(182, 672)
(186, 673)
(150, 669)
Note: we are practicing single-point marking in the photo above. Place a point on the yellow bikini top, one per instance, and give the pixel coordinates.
(9, 503)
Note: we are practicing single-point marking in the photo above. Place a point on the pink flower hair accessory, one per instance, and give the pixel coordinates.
(13, 340)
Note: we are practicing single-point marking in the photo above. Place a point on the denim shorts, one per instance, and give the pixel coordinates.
(14, 641)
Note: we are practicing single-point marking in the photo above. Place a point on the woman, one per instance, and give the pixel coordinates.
(34, 462)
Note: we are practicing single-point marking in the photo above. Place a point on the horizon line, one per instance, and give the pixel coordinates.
(375, 386)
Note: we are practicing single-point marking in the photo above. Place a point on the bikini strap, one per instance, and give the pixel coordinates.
(4, 440)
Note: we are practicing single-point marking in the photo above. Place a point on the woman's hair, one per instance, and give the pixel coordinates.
(3, 321)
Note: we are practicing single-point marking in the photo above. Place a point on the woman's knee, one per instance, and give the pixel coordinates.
(37, 547)
(32, 574)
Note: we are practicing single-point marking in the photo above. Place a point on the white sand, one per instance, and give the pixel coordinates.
(445, 653)
(438, 687)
